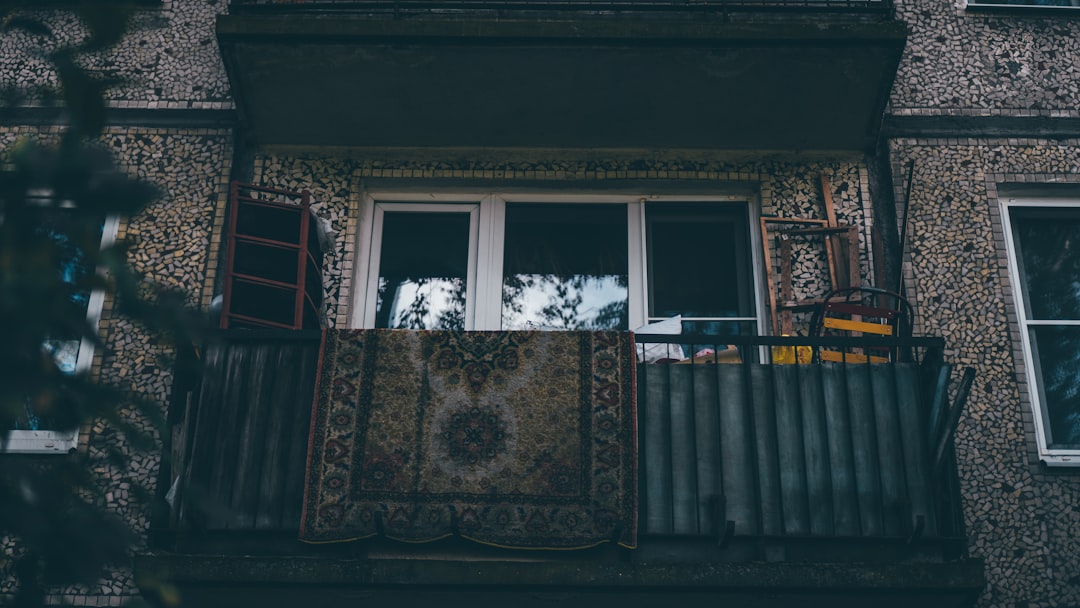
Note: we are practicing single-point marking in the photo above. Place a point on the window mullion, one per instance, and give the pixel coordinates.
(490, 263)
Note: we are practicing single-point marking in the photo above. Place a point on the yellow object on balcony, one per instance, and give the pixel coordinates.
(786, 355)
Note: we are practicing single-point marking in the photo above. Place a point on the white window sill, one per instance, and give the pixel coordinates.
(1057, 459)
(1020, 8)
(40, 442)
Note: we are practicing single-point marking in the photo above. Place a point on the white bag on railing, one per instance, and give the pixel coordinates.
(651, 353)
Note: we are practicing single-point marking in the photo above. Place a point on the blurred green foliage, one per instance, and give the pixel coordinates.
(52, 505)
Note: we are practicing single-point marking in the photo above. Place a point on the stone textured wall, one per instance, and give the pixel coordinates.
(987, 63)
(787, 189)
(171, 246)
(169, 59)
(1023, 519)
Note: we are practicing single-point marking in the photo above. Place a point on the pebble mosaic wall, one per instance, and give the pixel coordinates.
(1022, 519)
(169, 59)
(987, 63)
(171, 246)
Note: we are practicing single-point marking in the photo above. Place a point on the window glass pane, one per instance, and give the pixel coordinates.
(565, 267)
(423, 270)
(74, 268)
(1056, 353)
(699, 265)
(1048, 251)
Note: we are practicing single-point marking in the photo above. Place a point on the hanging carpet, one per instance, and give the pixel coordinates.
(516, 439)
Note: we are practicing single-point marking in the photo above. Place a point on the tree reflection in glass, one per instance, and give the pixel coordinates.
(423, 271)
(1048, 248)
(565, 267)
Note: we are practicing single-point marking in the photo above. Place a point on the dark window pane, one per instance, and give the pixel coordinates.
(1048, 248)
(423, 270)
(70, 237)
(1056, 352)
(565, 267)
(75, 269)
(699, 262)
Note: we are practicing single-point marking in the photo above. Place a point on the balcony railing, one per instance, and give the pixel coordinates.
(800, 457)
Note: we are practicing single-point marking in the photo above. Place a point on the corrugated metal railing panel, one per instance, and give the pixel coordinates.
(808, 450)
(249, 434)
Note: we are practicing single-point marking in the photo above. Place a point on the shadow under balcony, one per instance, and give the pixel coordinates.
(759, 482)
(791, 75)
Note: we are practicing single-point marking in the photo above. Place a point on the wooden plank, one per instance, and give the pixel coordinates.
(250, 438)
(764, 222)
(818, 231)
(222, 478)
(854, 308)
(269, 505)
(792, 221)
(841, 453)
(854, 279)
(785, 283)
(769, 275)
(816, 447)
(657, 449)
(894, 496)
(286, 397)
(683, 442)
(834, 240)
(738, 458)
(707, 440)
(839, 357)
(865, 327)
(864, 443)
(794, 500)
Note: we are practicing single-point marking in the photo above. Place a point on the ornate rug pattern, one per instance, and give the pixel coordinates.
(518, 439)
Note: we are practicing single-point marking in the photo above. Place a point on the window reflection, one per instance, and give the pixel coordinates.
(1056, 353)
(1048, 252)
(565, 267)
(423, 271)
(74, 268)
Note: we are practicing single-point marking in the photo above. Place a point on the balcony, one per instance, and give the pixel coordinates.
(756, 481)
(632, 74)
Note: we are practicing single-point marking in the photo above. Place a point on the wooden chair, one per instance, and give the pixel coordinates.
(855, 311)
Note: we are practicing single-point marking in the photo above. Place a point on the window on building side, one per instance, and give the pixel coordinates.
(1044, 248)
(556, 262)
(34, 432)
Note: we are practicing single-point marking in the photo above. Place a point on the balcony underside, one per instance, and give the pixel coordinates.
(275, 581)
(572, 82)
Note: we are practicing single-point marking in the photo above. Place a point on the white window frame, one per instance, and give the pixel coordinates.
(1036, 8)
(61, 442)
(483, 311)
(1052, 457)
